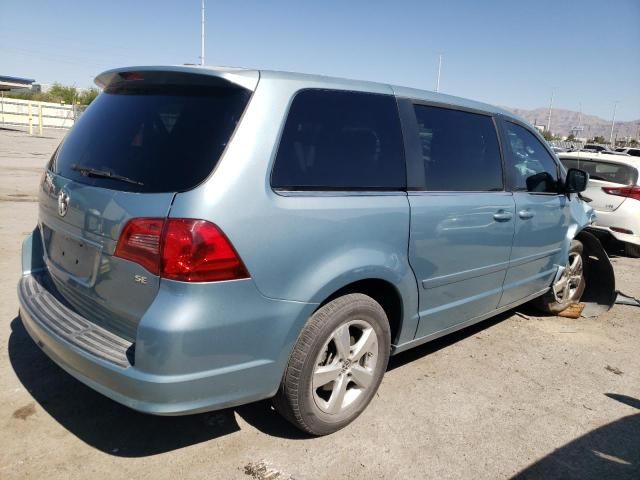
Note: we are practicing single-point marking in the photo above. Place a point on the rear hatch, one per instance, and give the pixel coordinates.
(149, 135)
(603, 174)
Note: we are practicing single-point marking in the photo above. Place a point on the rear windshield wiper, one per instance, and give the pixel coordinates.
(94, 172)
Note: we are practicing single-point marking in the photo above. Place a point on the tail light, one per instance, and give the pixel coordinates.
(183, 249)
(631, 191)
(197, 251)
(140, 242)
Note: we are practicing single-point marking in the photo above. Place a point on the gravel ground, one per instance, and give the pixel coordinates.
(535, 397)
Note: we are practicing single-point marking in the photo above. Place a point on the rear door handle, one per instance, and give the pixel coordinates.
(525, 214)
(502, 216)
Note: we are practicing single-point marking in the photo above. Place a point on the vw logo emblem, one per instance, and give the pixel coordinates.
(63, 203)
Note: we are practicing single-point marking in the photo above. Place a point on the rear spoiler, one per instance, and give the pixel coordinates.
(247, 79)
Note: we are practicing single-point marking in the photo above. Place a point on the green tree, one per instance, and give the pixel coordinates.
(571, 138)
(88, 96)
(58, 93)
(598, 139)
(548, 136)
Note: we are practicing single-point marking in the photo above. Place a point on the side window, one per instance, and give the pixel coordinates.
(530, 166)
(339, 140)
(460, 150)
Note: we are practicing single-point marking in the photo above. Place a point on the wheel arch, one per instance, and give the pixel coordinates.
(382, 291)
(598, 271)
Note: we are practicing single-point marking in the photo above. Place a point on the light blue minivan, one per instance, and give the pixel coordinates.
(209, 237)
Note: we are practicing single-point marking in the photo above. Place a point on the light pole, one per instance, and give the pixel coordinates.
(549, 116)
(202, 36)
(613, 121)
(439, 70)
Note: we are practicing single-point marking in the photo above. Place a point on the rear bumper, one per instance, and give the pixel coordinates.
(621, 237)
(625, 216)
(173, 373)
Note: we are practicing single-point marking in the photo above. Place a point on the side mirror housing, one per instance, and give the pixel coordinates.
(541, 182)
(576, 181)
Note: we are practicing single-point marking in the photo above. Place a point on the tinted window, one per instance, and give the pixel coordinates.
(605, 171)
(634, 152)
(597, 148)
(570, 163)
(166, 137)
(460, 150)
(530, 167)
(336, 140)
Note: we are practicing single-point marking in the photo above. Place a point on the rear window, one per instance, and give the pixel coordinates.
(605, 171)
(339, 140)
(570, 163)
(163, 138)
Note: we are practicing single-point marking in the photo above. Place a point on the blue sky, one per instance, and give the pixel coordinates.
(512, 53)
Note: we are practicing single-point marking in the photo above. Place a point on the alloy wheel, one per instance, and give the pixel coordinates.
(345, 367)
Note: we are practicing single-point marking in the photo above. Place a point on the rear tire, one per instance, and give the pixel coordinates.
(336, 365)
(632, 250)
(569, 287)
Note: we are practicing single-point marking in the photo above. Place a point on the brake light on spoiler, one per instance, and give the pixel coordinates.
(184, 249)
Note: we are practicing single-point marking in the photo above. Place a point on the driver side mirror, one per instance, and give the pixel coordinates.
(576, 181)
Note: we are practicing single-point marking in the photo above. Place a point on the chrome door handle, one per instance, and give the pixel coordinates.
(525, 214)
(502, 216)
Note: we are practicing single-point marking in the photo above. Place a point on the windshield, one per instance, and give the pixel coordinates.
(163, 138)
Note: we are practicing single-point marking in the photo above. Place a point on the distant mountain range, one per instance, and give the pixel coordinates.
(562, 121)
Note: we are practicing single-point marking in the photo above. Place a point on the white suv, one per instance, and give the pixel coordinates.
(615, 193)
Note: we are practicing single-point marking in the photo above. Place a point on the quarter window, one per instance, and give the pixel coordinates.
(460, 150)
(530, 167)
(340, 140)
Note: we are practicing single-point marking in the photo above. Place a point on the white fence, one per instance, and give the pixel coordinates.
(37, 115)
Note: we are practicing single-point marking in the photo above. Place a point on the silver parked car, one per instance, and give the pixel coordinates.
(212, 237)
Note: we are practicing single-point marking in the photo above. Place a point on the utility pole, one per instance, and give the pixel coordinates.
(580, 116)
(439, 70)
(202, 36)
(613, 121)
(549, 116)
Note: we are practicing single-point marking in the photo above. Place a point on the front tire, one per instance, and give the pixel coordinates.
(569, 287)
(336, 365)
